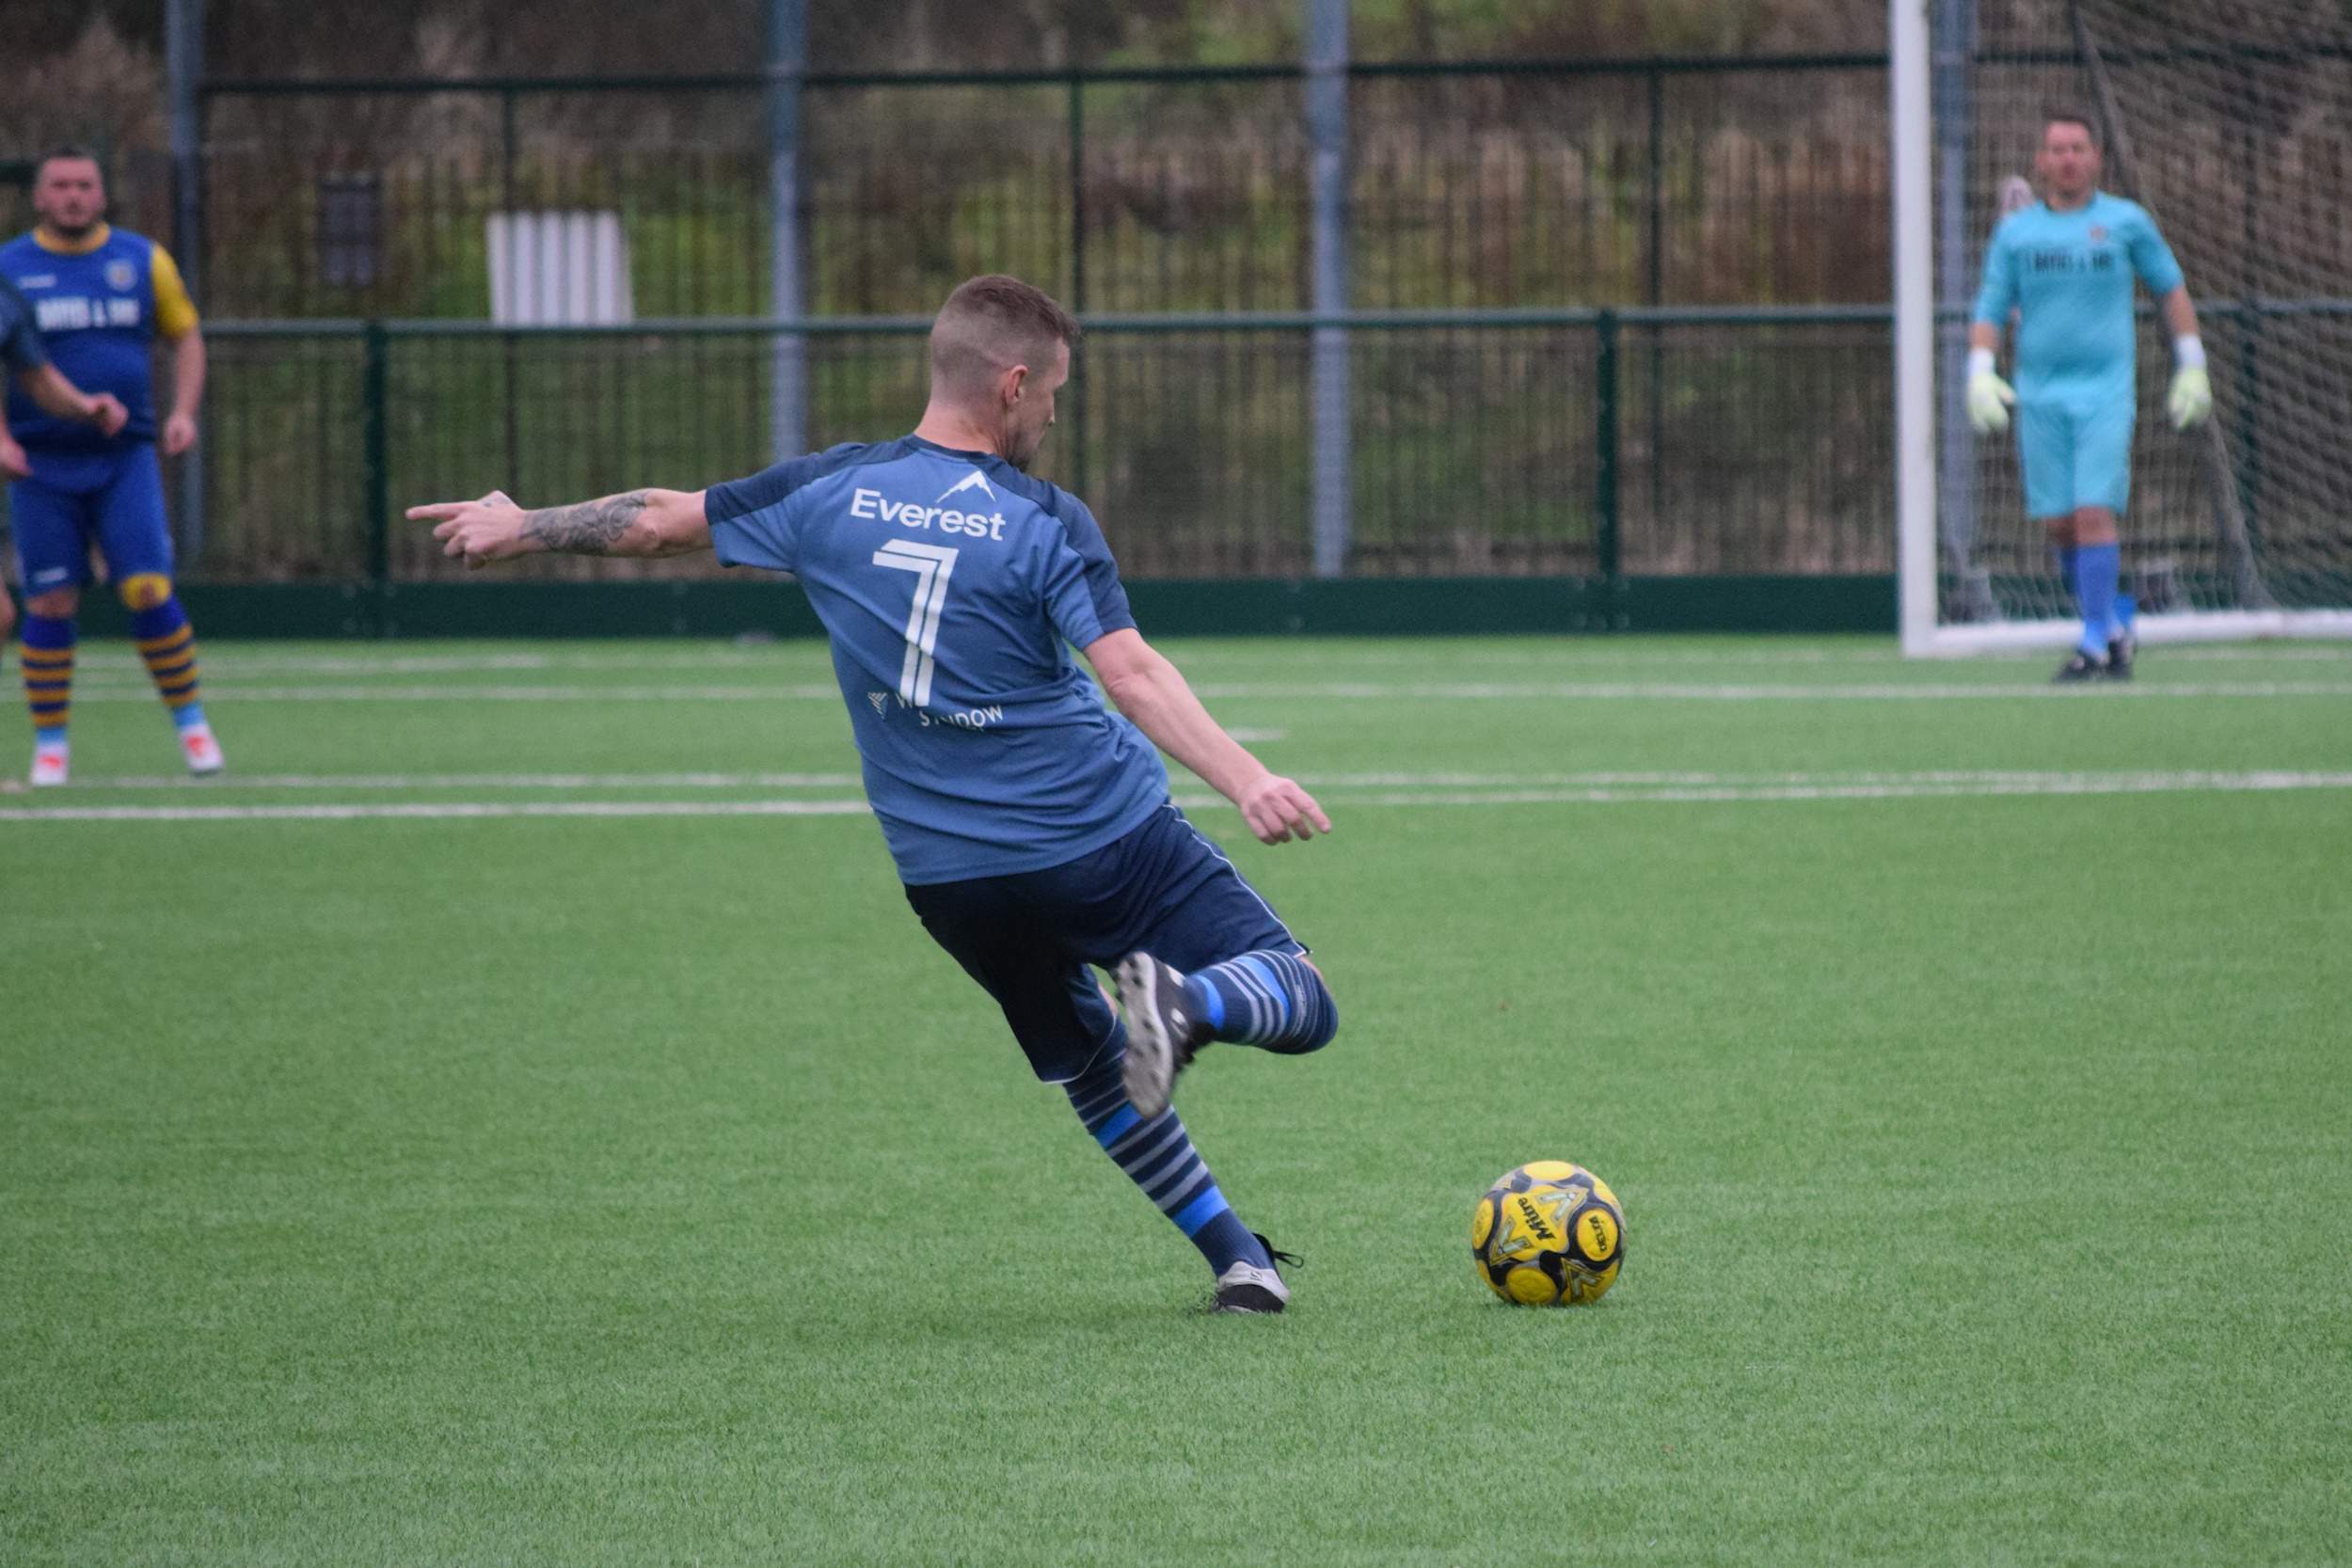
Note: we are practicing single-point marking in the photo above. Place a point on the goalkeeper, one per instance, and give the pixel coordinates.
(2066, 265)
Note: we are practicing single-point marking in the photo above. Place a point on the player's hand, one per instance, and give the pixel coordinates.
(12, 460)
(1277, 810)
(108, 413)
(2191, 397)
(488, 529)
(1990, 399)
(178, 434)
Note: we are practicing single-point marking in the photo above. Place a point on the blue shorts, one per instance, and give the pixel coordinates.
(2077, 451)
(73, 500)
(1027, 939)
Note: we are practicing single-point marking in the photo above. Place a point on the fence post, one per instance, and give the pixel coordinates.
(1605, 541)
(1327, 134)
(376, 463)
(1078, 457)
(183, 54)
(788, 371)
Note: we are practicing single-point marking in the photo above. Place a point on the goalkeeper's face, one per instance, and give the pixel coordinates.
(2068, 163)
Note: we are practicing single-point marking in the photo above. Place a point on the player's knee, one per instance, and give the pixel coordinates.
(2060, 530)
(57, 604)
(1314, 1017)
(144, 590)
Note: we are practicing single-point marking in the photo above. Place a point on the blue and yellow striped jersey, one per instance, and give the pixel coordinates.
(98, 306)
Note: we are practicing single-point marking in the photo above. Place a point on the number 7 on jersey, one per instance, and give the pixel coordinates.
(932, 564)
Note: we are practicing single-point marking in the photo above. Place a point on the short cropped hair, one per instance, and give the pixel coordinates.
(2071, 116)
(69, 150)
(991, 324)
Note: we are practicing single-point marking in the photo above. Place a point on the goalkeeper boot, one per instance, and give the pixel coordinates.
(1164, 1030)
(2082, 666)
(2120, 651)
(1246, 1287)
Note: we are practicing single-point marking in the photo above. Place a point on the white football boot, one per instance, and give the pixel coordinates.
(202, 752)
(51, 763)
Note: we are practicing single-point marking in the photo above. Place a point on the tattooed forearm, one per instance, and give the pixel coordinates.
(592, 528)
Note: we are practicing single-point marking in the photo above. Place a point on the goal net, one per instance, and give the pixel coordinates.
(2231, 121)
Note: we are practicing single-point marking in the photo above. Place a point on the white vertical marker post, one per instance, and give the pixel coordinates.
(1915, 325)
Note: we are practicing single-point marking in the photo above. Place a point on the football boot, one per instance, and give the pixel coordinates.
(2082, 666)
(202, 752)
(1246, 1287)
(1163, 1033)
(2120, 651)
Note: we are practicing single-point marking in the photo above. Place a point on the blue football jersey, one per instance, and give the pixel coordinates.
(2069, 276)
(953, 587)
(99, 309)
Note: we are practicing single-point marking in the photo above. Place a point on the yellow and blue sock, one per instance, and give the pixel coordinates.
(48, 659)
(167, 643)
(1274, 1001)
(2096, 568)
(1158, 1156)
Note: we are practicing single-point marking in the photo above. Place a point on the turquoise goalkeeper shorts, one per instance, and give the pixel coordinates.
(2076, 451)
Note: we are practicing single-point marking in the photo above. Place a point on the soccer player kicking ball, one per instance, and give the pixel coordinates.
(1032, 829)
(2066, 265)
(100, 297)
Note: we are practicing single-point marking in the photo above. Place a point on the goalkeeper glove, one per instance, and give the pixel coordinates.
(2191, 397)
(1989, 398)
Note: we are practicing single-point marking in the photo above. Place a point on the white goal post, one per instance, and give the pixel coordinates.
(2229, 119)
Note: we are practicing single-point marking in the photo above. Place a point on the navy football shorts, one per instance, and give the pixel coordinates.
(1028, 938)
(73, 500)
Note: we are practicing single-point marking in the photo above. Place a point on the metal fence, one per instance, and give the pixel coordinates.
(1540, 442)
(1616, 315)
(1496, 185)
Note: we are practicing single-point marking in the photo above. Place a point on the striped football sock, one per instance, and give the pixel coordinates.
(1275, 1001)
(1158, 1156)
(167, 643)
(48, 659)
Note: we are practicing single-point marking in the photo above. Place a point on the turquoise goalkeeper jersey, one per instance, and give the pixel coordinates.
(2069, 277)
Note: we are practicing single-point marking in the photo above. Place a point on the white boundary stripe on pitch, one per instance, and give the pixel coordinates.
(345, 813)
(481, 781)
(2041, 782)
(1291, 692)
(127, 669)
(1789, 788)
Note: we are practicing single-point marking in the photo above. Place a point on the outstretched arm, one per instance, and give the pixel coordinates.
(1155, 693)
(640, 523)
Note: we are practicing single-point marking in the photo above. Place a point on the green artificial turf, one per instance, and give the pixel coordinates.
(636, 1190)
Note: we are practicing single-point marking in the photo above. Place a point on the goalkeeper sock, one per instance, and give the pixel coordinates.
(2095, 569)
(2065, 554)
(48, 660)
(1158, 1156)
(1274, 1001)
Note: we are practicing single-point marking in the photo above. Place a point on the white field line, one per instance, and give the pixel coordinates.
(236, 665)
(1991, 779)
(222, 692)
(1648, 690)
(345, 813)
(1688, 788)
(483, 781)
(1286, 691)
